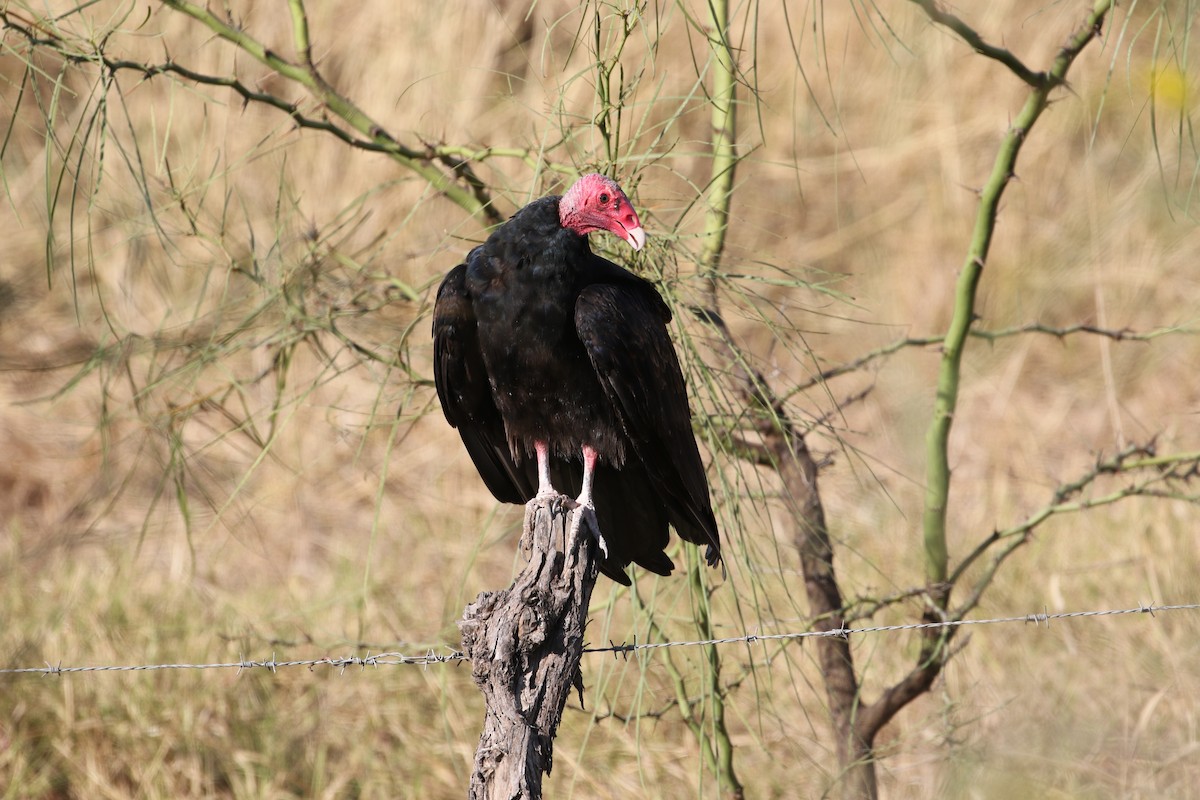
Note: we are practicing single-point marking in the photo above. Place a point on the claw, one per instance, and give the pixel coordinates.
(559, 506)
(589, 511)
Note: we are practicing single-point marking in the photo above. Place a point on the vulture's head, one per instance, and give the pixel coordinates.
(596, 203)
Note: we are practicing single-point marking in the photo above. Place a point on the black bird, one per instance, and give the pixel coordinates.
(556, 368)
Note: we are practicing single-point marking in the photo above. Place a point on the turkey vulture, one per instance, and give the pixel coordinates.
(556, 368)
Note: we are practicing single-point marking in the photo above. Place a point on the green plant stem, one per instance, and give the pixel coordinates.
(300, 31)
(724, 132)
(716, 223)
(683, 701)
(937, 478)
(720, 730)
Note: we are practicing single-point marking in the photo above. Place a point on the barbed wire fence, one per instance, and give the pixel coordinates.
(390, 659)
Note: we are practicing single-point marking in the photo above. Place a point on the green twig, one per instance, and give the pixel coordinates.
(722, 741)
(684, 703)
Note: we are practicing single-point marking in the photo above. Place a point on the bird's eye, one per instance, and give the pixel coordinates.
(604, 198)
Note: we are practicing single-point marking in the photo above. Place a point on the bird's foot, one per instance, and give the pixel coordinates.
(558, 504)
(586, 509)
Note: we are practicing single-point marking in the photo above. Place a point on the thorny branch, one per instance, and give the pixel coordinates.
(935, 644)
(461, 187)
(1116, 334)
(1154, 475)
(969, 35)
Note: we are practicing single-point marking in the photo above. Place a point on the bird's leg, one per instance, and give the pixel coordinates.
(589, 477)
(546, 491)
(585, 499)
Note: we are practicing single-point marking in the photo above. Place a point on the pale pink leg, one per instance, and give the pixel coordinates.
(589, 475)
(585, 499)
(543, 459)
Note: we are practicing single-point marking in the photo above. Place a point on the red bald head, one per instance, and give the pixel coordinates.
(596, 203)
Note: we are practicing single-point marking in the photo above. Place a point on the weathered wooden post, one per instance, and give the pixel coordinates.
(525, 643)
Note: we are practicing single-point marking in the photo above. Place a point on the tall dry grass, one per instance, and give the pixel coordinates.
(192, 284)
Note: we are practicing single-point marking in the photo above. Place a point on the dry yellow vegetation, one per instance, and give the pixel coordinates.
(198, 270)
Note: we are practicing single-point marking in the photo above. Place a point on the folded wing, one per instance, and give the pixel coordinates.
(623, 327)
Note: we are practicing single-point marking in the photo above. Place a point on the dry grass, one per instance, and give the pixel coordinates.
(140, 524)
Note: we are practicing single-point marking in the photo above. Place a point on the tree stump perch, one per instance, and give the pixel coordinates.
(525, 644)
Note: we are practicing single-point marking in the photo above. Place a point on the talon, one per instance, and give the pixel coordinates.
(588, 510)
(557, 508)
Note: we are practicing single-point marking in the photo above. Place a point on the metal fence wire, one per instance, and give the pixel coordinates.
(389, 659)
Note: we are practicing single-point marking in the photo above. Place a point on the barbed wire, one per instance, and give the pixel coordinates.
(914, 626)
(426, 659)
(378, 660)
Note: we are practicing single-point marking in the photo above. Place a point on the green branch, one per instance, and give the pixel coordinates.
(716, 223)
(724, 142)
(722, 741)
(937, 479)
(685, 704)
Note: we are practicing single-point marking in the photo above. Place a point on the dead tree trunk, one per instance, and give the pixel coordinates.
(525, 643)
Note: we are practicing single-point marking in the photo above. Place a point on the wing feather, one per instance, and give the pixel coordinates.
(465, 392)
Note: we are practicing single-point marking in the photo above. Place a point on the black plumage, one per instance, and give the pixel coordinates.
(540, 342)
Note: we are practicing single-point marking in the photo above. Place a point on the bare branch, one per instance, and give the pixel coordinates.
(1120, 335)
(969, 35)
(1164, 471)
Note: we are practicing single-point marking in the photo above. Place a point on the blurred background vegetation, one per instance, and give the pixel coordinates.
(209, 317)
